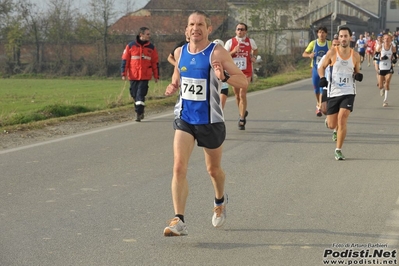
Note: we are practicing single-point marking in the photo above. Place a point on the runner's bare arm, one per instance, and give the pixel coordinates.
(174, 85)
(324, 64)
(357, 62)
(356, 74)
(221, 60)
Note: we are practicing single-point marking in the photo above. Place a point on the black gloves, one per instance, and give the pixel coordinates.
(395, 59)
(377, 56)
(385, 57)
(323, 82)
(359, 77)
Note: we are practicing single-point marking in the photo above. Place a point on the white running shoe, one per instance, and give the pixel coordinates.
(385, 104)
(176, 228)
(219, 213)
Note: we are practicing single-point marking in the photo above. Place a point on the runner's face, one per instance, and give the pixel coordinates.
(335, 43)
(386, 39)
(197, 28)
(322, 35)
(344, 37)
(240, 31)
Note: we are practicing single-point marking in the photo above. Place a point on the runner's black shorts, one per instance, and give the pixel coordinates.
(385, 72)
(336, 103)
(209, 136)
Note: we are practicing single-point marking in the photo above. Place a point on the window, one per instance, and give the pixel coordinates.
(255, 22)
(393, 4)
(283, 21)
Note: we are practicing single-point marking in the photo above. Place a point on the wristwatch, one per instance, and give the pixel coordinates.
(226, 76)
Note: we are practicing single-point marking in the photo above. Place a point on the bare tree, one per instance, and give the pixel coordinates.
(34, 23)
(11, 34)
(102, 12)
(272, 17)
(6, 7)
(60, 33)
(129, 6)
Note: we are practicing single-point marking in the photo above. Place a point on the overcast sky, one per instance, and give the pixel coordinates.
(121, 5)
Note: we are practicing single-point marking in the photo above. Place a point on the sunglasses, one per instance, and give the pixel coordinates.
(240, 29)
(336, 44)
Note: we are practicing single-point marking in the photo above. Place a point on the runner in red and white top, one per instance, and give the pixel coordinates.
(244, 52)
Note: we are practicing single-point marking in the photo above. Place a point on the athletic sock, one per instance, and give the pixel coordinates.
(219, 201)
(386, 96)
(180, 216)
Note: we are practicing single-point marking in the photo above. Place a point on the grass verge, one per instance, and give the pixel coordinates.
(39, 104)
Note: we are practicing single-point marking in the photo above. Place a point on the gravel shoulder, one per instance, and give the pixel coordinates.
(78, 124)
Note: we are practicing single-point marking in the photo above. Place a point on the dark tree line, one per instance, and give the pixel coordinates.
(59, 40)
(62, 40)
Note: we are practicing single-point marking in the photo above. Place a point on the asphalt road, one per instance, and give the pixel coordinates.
(103, 197)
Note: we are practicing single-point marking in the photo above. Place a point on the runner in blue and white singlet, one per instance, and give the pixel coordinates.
(201, 67)
(199, 101)
(361, 47)
(315, 50)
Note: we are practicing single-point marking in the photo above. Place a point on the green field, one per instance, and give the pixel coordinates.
(23, 95)
(24, 101)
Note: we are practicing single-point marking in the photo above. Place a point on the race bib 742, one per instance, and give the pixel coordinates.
(193, 89)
